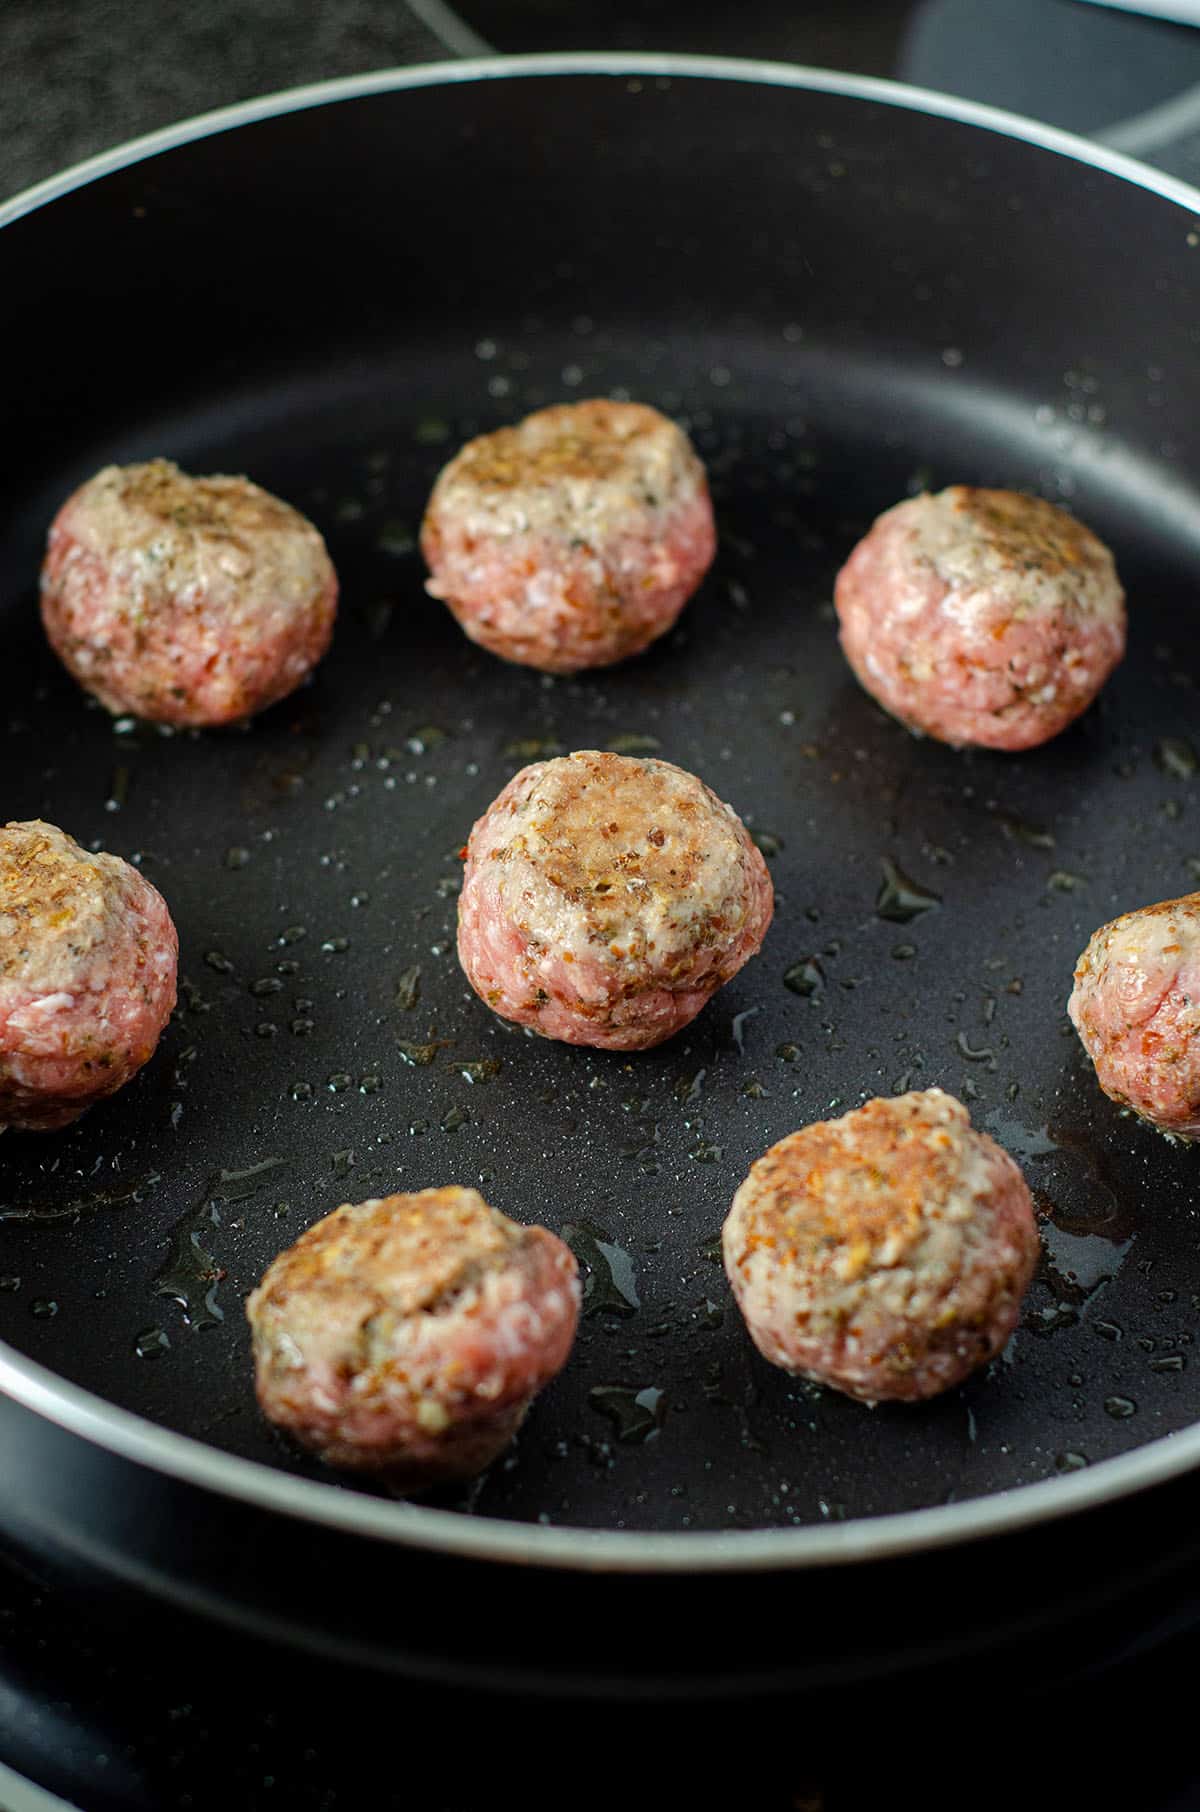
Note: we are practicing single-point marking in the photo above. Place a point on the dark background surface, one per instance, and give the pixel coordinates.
(78, 76)
(75, 79)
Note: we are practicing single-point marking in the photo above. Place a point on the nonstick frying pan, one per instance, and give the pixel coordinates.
(848, 291)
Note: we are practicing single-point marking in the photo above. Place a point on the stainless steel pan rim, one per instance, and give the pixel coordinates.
(631, 64)
(131, 1438)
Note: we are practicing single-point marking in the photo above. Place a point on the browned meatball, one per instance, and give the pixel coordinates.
(572, 539)
(982, 616)
(185, 600)
(407, 1336)
(87, 975)
(606, 898)
(1136, 1006)
(885, 1253)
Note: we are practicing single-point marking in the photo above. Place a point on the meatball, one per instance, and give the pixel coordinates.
(573, 539)
(885, 1253)
(981, 616)
(1136, 1007)
(87, 975)
(408, 1336)
(605, 898)
(185, 600)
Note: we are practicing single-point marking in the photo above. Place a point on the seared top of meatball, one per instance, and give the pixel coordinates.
(1140, 954)
(192, 536)
(55, 904)
(866, 1191)
(401, 1253)
(1168, 928)
(618, 854)
(983, 540)
(592, 461)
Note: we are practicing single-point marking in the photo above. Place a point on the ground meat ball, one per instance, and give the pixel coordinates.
(407, 1337)
(606, 898)
(1136, 1006)
(573, 539)
(185, 600)
(885, 1253)
(981, 616)
(87, 975)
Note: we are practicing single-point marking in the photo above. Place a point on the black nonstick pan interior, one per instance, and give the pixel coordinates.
(845, 302)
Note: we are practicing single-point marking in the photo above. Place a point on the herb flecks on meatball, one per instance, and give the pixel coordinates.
(606, 898)
(88, 957)
(981, 617)
(1136, 1007)
(885, 1253)
(186, 601)
(572, 539)
(407, 1336)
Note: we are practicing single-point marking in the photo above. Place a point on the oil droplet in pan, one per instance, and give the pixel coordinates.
(609, 1286)
(1036, 836)
(408, 988)
(804, 978)
(637, 1415)
(78, 1205)
(1175, 756)
(901, 899)
(191, 1273)
(738, 1027)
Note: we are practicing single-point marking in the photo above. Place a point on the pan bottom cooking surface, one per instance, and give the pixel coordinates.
(326, 1046)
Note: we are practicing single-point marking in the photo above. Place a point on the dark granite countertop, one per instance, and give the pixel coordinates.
(77, 76)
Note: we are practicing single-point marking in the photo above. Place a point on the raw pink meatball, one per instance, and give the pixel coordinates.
(981, 616)
(573, 539)
(87, 975)
(885, 1253)
(1136, 1006)
(606, 898)
(185, 600)
(408, 1336)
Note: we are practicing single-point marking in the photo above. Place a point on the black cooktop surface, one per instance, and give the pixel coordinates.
(126, 1716)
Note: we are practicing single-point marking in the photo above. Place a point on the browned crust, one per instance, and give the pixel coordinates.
(1027, 533)
(425, 1246)
(590, 441)
(885, 1180)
